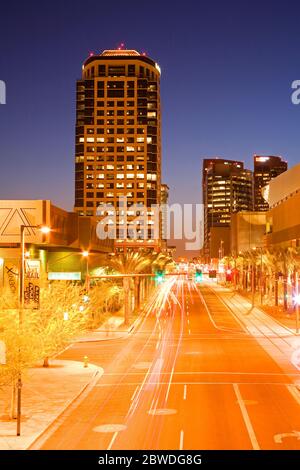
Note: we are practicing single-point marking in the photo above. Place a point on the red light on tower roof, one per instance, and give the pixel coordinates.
(144, 54)
(91, 54)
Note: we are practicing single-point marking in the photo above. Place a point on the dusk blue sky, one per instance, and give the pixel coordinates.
(227, 69)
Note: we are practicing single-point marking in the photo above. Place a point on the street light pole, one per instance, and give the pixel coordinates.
(21, 307)
(297, 304)
(261, 276)
(85, 254)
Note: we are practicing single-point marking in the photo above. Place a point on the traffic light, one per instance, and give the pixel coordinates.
(159, 276)
(198, 276)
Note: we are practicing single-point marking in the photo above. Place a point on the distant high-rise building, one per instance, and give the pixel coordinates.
(265, 169)
(118, 138)
(227, 188)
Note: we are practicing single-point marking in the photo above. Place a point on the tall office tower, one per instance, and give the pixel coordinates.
(265, 169)
(118, 140)
(227, 188)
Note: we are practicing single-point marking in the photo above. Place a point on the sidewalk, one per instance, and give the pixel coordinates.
(46, 393)
(279, 341)
(286, 317)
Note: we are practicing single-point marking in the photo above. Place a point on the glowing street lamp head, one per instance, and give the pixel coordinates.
(44, 229)
(297, 299)
(85, 253)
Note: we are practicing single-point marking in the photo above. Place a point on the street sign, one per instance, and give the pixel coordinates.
(64, 276)
(2, 353)
(32, 275)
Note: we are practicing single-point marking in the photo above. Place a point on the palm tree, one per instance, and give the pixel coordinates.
(130, 264)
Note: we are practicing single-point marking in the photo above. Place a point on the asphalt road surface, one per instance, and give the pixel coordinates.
(189, 377)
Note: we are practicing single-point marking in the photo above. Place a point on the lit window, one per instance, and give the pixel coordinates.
(129, 148)
(141, 139)
(100, 176)
(120, 176)
(120, 139)
(81, 139)
(90, 139)
(130, 175)
(110, 167)
(100, 139)
(140, 176)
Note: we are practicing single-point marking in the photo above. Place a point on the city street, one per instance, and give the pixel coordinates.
(190, 376)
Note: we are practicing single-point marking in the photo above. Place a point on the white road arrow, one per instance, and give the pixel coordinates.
(279, 437)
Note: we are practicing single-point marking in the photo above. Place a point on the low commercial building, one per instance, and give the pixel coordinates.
(57, 254)
(247, 231)
(283, 218)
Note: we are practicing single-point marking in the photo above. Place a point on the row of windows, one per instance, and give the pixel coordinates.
(117, 112)
(111, 195)
(92, 186)
(121, 176)
(120, 149)
(87, 86)
(120, 130)
(112, 167)
(111, 158)
(130, 70)
(91, 131)
(138, 185)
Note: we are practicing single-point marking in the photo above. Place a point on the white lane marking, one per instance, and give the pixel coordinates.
(189, 332)
(134, 403)
(127, 384)
(112, 441)
(157, 345)
(294, 392)
(169, 386)
(184, 392)
(134, 394)
(246, 417)
(181, 440)
(211, 372)
(188, 322)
